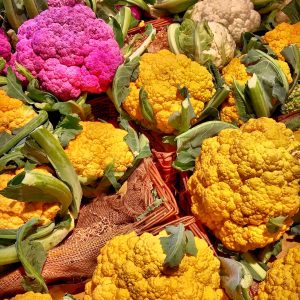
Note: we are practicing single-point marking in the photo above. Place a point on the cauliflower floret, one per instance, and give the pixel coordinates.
(283, 279)
(5, 47)
(15, 213)
(237, 16)
(131, 267)
(281, 36)
(161, 74)
(32, 296)
(243, 178)
(69, 50)
(98, 145)
(13, 113)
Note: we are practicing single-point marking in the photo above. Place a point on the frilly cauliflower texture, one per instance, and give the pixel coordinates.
(237, 16)
(13, 113)
(32, 296)
(98, 145)
(131, 268)
(161, 74)
(5, 47)
(283, 279)
(69, 50)
(242, 179)
(15, 213)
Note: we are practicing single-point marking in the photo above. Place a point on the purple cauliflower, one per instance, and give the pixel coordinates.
(59, 3)
(69, 50)
(5, 47)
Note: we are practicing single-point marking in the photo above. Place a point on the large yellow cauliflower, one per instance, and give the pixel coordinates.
(98, 145)
(14, 213)
(32, 296)
(161, 74)
(13, 113)
(283, 279)
(236, 70)
(281, 36)
(243, 178)
(131, 268)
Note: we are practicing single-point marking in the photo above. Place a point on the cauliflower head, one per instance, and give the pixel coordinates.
(161, 74)
(13, 113)
(283, 279)
(32, 296)
(14, 213)
(59, 3)
(98, 145)
(281, 36)
(236, 70)
(131, 267)
(242, 179)
(5, 47)
(69, 50)
(237, 16)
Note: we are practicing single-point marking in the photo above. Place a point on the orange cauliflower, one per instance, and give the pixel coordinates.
(236, 70)
(14, 213)
(98, 145)
(13, 113)
(131, 267)
(281, 36)
(283, 279)
(32, 296)
(161, 74)
(242, 179)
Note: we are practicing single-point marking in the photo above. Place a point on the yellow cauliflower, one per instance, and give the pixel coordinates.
(32, 296)
(161, 74)
(13, 113)
(98, 145)
(14, 213)
(237, 70)
(131, 268)
(281, 36)
(243, 178)
(283, 279)
(297, 135)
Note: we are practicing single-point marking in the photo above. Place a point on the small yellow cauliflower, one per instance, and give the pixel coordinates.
(130, 267)
(98, 145)
(14, 213)
(244, 178)
(13, 113)
(281, 36)
(162, 74)
(32, 296)
(283, 279)
(236, 70)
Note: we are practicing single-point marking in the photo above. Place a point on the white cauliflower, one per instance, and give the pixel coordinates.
(237, 16)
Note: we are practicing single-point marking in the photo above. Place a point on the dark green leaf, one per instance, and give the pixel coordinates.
(109, 174)
(2, 64)
(117, 31)
(67, 129)
(124, 75)
(295, 230)
(191, 248)
(32, 256)
(34, 152)
(274, 224)
(214, 71)
(271, 250)
(11, 160)
(34, 93)
(14, 87)
(292, 10)
(145, 106)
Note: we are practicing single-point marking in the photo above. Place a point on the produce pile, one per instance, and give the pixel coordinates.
(150, 149)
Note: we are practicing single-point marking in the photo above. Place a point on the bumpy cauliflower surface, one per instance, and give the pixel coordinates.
(161, 74)
(32, 296)
(243, 178)
(131, 267)
(13, 113)
(69, 50)
(283, 279)
(237, 70)
(14, 213)
(98, 145)
(237, 16)
(5, 47)
(281, 36)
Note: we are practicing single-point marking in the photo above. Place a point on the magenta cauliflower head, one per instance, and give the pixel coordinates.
(5, 47)
(58, 3)
(69, 51)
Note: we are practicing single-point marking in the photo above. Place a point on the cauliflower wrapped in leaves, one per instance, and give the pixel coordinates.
(243, 179)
